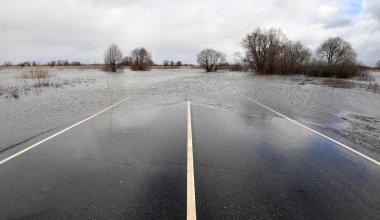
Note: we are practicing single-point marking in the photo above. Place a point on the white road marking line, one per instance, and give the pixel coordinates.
(60, 132)
(191, 208)
(316, 132)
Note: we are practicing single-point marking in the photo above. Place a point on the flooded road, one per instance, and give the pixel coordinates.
(261, 166)
(351, 115)
(130, 161)
(127, 166)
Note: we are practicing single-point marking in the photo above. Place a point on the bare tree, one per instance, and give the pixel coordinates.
(141, 59)
(378, 64)
(336, 51)
(295, 55)
(263, 49)
(211, 59)
(178, 63)
(113, 57)
(166, 63)
(276, 45)
(256, 48)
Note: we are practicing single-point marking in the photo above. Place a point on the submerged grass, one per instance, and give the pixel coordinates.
(36, 73)
(40, 74)
(338, 83)
(10, 92)
(347, 84)
(34, 79)
(14, 92)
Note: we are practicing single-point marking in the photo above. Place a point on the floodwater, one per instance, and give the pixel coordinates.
(350, 115)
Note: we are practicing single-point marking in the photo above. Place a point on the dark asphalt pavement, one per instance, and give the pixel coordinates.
(257, 166)
(132, 165)
(119, 166)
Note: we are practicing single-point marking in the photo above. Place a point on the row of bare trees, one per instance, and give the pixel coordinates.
(171, 63)
(139, 60)
(50, 63)
(270, 51)
(63, 63)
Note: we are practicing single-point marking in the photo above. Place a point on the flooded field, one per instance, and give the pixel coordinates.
(351, 114)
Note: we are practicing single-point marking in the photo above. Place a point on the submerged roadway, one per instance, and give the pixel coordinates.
(189, 160)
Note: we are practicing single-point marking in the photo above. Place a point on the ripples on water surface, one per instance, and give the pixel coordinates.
(88, 91)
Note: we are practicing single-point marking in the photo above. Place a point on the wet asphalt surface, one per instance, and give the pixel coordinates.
(131, 164)
(260, 166)
(116, 166)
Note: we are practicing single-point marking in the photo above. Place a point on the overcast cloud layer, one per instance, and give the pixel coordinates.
(81, 30)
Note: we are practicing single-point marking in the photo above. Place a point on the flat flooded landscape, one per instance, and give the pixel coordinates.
(349, 114)
(190, 110)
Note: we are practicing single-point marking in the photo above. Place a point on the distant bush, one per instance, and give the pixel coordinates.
(137, 66)
(24, 64)
(108, 68)
(51, 63)
(7, 63)
(75, 63)
(141, 60)
(62, 63)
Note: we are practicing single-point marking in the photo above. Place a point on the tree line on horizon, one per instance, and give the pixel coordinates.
(49, 63)
(265, 52)
(139, 60)
(271, 52)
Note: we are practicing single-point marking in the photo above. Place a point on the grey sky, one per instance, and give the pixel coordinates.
(44, 30)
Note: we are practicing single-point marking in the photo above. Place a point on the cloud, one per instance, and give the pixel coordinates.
(81, 30)
(331, 16)
(372, 8)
